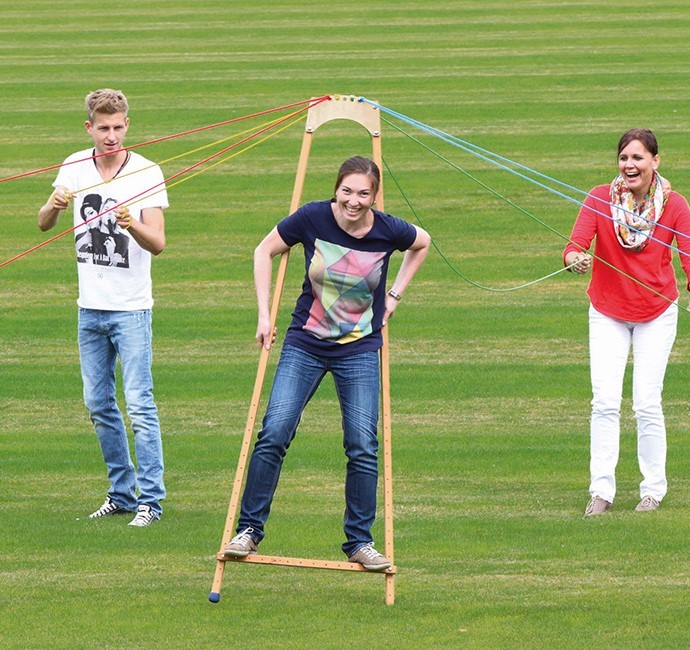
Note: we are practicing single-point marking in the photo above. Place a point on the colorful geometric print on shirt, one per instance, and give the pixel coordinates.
(343, 283)
(353, 307)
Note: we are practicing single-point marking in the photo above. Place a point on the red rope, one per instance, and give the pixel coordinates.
(174, 176)
(312, 102)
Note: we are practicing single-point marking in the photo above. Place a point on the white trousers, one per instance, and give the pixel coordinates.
(609, 348)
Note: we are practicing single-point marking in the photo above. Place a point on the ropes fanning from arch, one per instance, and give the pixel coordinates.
(310, 102)
(254, 133)
(515, 168)
(525, 212)
(242, 142)
(528, 175)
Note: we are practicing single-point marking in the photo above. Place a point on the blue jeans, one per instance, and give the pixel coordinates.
(298, 375)
(103, 337)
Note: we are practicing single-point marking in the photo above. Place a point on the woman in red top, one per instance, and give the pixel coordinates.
(633, 294)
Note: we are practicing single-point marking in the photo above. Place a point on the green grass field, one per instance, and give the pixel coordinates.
(490, 390)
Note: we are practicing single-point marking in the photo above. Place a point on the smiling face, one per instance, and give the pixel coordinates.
(108, 131)
(637, 165)
(354, 197)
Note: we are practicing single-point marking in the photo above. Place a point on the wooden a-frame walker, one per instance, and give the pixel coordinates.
(347, 108)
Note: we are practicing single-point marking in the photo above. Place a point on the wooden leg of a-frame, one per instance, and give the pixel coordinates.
(387, 467)
(386, 442)
(214, 596)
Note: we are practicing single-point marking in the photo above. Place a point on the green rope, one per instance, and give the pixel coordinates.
(520, 209)
(440, 252)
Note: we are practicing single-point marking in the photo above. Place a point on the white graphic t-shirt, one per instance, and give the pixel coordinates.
(114, 271)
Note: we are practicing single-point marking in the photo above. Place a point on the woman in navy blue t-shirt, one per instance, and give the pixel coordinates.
(336, 328)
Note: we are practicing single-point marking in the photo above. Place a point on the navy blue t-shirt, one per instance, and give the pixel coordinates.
(340, 309)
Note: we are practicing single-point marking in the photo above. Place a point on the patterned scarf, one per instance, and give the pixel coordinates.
(634, 223)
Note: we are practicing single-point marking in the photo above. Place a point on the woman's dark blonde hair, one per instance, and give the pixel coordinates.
(360, 165)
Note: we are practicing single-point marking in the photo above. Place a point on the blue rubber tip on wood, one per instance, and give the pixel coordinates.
(214, 597)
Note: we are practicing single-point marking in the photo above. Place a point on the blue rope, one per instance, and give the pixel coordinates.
(517, 207)
(479, 153)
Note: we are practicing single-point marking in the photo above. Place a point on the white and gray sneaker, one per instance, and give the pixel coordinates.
(370, 558)
(108, 508)
(241, 544)
(145, 517)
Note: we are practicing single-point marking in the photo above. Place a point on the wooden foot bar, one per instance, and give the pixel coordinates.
(304, 563)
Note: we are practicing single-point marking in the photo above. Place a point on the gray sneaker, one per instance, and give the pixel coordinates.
(370, 558)
(241, 544)
(648, 503)
(597, 505)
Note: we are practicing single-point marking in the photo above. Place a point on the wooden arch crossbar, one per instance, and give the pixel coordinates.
(346, 107)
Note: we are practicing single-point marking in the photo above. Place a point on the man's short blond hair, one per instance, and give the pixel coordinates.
(107, 101)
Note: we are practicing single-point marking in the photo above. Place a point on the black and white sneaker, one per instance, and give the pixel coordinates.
(145, 517)
(108, 508)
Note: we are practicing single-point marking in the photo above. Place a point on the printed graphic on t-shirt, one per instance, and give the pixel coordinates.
(101, 241)
(343, 282)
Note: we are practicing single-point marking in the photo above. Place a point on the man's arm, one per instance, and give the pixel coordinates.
(50, 212)
(149, 233)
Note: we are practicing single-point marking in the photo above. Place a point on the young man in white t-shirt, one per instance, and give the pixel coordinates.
(118, 199)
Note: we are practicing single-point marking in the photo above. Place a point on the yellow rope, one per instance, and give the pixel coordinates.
(237, 136)
(222, 160)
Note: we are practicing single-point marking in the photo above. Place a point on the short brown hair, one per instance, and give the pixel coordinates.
(106, 100)
(645, 136)
(360, 165)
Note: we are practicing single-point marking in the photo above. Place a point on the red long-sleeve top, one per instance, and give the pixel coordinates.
(611, 292)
